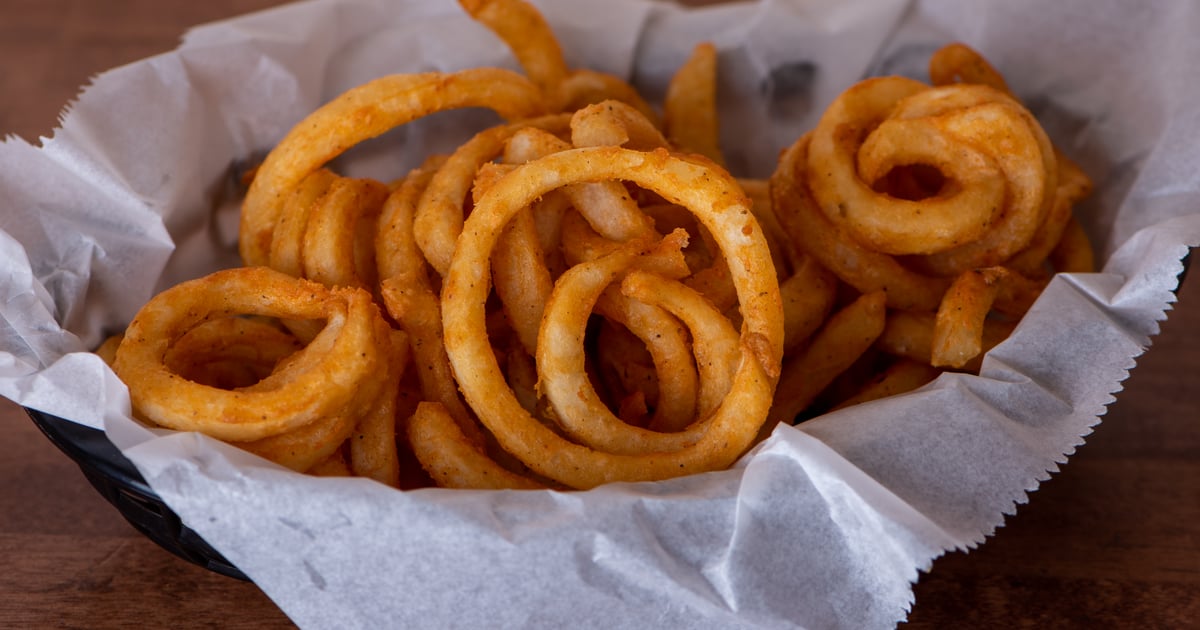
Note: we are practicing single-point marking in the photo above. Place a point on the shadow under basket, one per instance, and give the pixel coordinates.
(118, 481)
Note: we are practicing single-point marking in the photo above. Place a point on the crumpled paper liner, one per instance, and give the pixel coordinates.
(823, 525)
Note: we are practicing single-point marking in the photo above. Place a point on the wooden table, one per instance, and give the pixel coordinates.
(1112, 541)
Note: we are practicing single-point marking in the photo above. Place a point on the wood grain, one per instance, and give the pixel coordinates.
(1113, 541)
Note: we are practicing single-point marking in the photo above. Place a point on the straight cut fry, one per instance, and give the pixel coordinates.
(902, 376)
(958, 326)
(839, 343)
(690, 106)
(910, 335)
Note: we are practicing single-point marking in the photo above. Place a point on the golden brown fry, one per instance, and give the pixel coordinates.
(690, 106)
(417, 310)
(396, 249)
(910, 335)
(305, 447)
(900, 377)
(1073, 185)
(411, 302)
(581, 243)
(958, 63)
(536, 48)
(519, 271)
(439, 214)
(548, 214)
(1024, 154)
(1073, 254)
(333, 466)
(783, 250)
(615, 124)
(322, 379)
(238, 353)
(362, 113)
(808, 297)
(632, 408)
(373, 450)
(985, 142)
(714, 339)
(564, 380)
(611, 211)
(607, 206)
(230, 352)
(107, 350)
(527, 35)
(1018, 293)
(860, 267)
(715, 284)
(287, 240)
(587, 87)
(454, 461)
(666, 340)
(723, 208)
(619, 363)
(958, 327)
(522, 279)
(333, 234)
(302, 448)
(844, 337)
(522, 378)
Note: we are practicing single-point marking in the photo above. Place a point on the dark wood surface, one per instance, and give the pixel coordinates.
(1112, 541)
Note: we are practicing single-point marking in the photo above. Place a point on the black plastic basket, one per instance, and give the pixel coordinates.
(118, 481)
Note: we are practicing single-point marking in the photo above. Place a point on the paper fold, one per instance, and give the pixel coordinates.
(823, 525)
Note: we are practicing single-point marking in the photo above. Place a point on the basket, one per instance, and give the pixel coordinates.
(120, 483)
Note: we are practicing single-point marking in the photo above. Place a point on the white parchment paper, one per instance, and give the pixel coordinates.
(825, 525)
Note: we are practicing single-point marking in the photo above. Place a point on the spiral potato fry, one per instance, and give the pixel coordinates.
(950, 198)
(317, 382)
(717, 203)
(582, 294)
